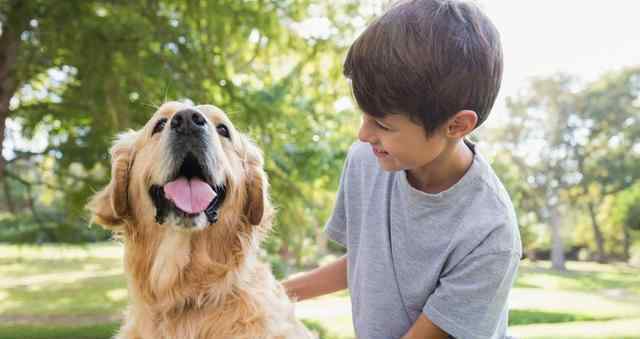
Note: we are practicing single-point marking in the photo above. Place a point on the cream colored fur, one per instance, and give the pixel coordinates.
(195, 284)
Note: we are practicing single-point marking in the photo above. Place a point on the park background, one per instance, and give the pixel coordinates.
(564, 137)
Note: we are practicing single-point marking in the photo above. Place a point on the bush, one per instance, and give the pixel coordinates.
(25, 229)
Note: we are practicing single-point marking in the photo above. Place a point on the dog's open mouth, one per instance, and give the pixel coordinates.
(189, 194)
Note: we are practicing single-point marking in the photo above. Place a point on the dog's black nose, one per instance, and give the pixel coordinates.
(188, 121)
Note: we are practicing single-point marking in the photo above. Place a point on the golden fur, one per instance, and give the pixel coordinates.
(202, 283)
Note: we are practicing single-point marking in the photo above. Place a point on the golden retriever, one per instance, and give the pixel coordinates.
(188, 195)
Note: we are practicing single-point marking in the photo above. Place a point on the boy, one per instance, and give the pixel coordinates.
(431, 235)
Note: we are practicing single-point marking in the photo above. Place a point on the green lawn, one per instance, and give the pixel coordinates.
(79, 291)
(100, 331)
(581, 276)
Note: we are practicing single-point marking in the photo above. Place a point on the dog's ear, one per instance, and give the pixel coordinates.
(257, 205)
(256, 196)
(109, 207)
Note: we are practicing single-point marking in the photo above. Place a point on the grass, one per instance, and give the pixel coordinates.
(100, 331)
(73, 280)
(103, 295)
(75, 291)
(581, 276)
(18, 261)
(619, 328)
(526, 317)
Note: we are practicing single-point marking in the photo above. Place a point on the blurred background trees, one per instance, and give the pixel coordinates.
(73, 73)
(576, 149)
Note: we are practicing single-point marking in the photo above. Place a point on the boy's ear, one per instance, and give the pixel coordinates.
(461, 124)
(110, 206)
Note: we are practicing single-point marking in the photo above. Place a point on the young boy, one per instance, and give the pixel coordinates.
(431, 235)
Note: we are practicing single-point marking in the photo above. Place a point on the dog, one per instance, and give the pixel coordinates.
(189, 198)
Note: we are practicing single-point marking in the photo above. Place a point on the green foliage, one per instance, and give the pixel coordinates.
(626, 208)
(519, 192)
(571, 145)
(46, 227)
(616, 216)
(89, 69)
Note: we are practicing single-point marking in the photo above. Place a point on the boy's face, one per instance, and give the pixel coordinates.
(400, 144)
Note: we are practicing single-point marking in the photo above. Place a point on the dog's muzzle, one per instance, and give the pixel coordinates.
(191, 189)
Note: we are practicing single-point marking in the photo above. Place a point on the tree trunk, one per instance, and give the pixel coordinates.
(557, 245)
(9, 43)
(3, 119)
(601, 256)
(626, 242)
(7, 88)
(7, 195)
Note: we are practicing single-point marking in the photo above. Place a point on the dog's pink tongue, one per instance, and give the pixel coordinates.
(192, 196)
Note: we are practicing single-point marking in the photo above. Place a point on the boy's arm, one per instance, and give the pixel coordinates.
(423, 328)
(320, 281)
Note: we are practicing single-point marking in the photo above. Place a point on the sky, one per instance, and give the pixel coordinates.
(584, 38)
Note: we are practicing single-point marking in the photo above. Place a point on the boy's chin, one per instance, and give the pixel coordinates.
(389, 166)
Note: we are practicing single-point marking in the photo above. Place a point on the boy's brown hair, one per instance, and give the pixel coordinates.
(427, 59)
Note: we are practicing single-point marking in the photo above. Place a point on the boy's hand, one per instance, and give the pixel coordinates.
(423, 328)
(323, 280)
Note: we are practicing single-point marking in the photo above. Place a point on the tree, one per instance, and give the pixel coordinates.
(626, 215)
(576, 144)
(523, 198)
(532, 139)
(76, 72)
(606, 141)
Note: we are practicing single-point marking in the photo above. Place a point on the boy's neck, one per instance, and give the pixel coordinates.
(444, 171)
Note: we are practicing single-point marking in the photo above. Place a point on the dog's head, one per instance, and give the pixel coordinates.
(187, 168)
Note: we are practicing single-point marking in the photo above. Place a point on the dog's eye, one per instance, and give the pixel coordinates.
(159, 126)
(223, 130)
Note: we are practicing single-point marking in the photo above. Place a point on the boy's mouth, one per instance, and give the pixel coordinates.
(379, 153)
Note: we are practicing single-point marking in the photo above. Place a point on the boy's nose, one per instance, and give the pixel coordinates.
(365, 134)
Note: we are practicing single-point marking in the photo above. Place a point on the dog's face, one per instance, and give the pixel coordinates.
(187, 168)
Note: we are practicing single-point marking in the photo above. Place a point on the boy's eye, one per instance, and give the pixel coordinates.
(382, 126)
(159, 126)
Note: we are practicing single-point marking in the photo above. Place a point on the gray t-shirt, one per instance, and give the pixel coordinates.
(451, 255)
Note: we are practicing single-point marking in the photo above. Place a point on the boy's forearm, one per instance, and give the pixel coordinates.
(320, 281)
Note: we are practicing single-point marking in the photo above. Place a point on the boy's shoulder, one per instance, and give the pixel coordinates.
(477, 212)
(490, 223)
(489, 180)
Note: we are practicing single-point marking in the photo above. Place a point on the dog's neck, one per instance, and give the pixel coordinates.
(182, 265)
(172, 257)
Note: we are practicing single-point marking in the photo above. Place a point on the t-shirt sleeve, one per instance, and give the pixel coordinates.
(471, 297)
(336, 227)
